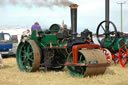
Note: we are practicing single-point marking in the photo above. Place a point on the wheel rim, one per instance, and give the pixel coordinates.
(123, 55)
(108, 55)
(106, 34)
(28, 56)
(78, 71)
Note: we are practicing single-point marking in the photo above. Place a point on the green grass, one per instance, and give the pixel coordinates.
(10, 75)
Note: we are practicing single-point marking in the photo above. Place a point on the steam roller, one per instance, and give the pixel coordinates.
(57, 47)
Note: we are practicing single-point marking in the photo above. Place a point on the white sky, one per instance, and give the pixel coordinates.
(90, 14)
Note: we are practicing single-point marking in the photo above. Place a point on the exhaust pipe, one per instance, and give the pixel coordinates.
(107, 7)
(74, 20)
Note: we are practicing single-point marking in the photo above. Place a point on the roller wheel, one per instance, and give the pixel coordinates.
(88, 57)
(123, 55)
(108, 55)
(28, 56)
(78, 71)
(104, 34)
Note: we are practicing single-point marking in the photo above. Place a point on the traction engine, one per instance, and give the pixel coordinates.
(116, 42)
(56, 48)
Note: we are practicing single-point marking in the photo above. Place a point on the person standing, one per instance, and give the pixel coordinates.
(1, 63)
(25, 35)
(36, 26)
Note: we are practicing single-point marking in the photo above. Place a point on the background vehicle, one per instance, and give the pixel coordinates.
(8, 44)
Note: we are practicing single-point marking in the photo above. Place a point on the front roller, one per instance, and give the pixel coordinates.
(89, 62)
(28, 56)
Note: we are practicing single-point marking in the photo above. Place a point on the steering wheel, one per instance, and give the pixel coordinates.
(104, 33)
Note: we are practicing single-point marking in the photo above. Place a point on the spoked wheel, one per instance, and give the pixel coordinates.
(78, 71)
(115, 58)
(104, 33)
(123, 55)
(108, 55)
(28, 56)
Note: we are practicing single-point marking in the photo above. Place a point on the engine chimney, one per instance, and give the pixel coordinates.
(74, 20)
(107, 7)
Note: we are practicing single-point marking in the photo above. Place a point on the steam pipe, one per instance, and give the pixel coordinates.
(74, 20)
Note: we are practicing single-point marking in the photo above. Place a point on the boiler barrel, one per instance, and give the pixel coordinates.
(117, 45)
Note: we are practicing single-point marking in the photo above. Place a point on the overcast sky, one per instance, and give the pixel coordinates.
(18, 13)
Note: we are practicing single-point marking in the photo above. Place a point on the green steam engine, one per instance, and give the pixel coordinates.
(56, 48)
(116, 42)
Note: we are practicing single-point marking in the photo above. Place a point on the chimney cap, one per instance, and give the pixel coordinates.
(73, 6)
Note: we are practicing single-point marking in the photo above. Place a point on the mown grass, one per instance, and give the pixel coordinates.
(10, 75)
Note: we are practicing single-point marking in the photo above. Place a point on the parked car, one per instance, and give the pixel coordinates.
(7, 45)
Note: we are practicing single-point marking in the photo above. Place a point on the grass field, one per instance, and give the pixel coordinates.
(10, 75)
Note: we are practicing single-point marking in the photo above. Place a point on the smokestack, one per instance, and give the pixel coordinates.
(107, 14)
(74, 20)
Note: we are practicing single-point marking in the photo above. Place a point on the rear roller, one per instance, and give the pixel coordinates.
(123, 55)
(88, 57)
(28, 56)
